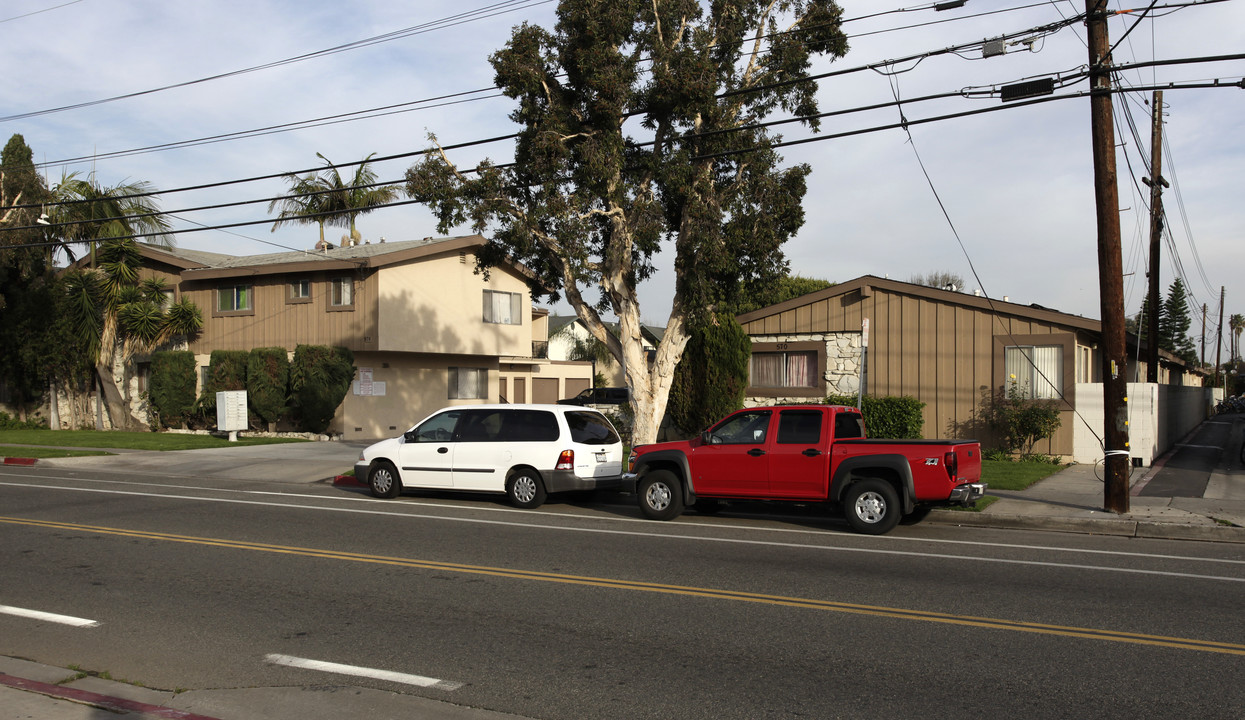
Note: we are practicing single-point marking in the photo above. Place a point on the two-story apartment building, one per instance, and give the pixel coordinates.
(425, 328)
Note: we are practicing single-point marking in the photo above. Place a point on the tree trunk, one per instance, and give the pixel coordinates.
(118, 408)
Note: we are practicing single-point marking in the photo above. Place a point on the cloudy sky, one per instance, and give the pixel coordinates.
(1017, 184)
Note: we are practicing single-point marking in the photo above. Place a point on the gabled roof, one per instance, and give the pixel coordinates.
(865, 285)
(650, 333)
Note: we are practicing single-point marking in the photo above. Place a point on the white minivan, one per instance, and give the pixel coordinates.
(524, 451)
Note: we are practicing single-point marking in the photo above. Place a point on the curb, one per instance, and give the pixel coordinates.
(1091, 526)
(20, 461)
(108, 703)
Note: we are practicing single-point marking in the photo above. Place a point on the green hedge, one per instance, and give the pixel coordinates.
(268, 383)
(319, 380)
(172, 388)
(711, 377)
(887, 417)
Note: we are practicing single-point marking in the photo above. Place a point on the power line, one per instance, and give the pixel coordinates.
(453, 20)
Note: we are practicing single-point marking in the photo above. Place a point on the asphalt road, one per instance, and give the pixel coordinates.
(587, 611)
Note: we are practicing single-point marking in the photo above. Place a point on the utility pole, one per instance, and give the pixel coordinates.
(1219, 338)
(1203, 359)
(1110, 263)
(1156, 183)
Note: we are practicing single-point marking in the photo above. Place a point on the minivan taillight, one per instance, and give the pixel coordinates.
(566, 461)
(952, 461)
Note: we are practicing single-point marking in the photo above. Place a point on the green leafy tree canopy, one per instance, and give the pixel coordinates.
(640, 126)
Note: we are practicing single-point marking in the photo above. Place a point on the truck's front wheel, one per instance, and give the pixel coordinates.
(872, 506)
(661, 495)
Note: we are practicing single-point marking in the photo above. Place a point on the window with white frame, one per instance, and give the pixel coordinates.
(468, 383)
(784, 369)
(342, 293)
(1036, 371)
(503, 308)
(233, 298)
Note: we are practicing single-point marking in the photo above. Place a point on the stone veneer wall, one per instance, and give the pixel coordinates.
(842, 372)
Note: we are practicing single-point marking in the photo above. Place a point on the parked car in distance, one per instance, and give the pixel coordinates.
(599, 396)
(524, 451)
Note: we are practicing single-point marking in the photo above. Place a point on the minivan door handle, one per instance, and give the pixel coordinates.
(443, 450)
(756, 452)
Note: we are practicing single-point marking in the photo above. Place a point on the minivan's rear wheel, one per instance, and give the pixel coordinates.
(872, 506)
(525, 489)
(661, 495)
(383, 480)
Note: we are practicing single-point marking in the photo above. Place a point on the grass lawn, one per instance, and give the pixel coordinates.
(1008, 475)
(121, 440)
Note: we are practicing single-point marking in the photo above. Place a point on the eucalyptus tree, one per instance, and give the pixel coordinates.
(326, 198)
(640, 126)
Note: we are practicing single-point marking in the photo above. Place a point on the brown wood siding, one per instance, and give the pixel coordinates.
(941, 353)
(277, 323)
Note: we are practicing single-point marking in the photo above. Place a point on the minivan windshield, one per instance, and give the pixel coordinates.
(591, 428)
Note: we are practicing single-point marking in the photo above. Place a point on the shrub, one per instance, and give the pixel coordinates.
(172, 389)
(8, 422)
(711, 378)
(319, 380)
(268, 382)
(1020, 420)
(897, 417)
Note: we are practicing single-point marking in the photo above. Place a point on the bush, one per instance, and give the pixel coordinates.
(711, 378)
(319, 380)
(268, 382)
(1020, 420)
(893, 417)
(8, 422)
(172, 389)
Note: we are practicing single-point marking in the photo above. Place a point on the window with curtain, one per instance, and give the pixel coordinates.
(342, 292)
(784, 369)
(1036, 371)
(503, 308)
(233, 298)
(468, 383)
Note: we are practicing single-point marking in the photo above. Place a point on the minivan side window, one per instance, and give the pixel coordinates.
(591, 428)
(438, 428)
(528, 426)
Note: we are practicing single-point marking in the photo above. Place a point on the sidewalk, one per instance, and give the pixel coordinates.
(1071, 500)
(31, 691)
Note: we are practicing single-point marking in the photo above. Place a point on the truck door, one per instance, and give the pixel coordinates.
(733, 460)
(799, 466)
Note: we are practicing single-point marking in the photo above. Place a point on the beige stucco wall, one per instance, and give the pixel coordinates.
(415, 386)
(436, 306)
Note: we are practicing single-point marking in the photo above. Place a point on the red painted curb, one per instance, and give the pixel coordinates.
(115, 704)
(348, 481)
(20, 461)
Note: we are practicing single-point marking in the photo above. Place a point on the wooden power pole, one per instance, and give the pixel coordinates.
(1156, 183)
(1110, 263)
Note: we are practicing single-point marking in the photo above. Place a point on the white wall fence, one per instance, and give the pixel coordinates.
(1158, 417)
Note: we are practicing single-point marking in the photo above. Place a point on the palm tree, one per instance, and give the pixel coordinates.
(1237, 324)
(331, 199)
(114, 313)
(84, 211)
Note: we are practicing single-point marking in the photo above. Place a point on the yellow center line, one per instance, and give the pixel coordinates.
(710, 593)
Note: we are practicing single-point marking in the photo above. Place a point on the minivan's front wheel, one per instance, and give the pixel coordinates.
(661, 495)
(872, 506)
(525, 489)
(383, 480)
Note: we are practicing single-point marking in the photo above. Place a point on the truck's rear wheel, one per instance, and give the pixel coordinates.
(661, 495)
(872, 506)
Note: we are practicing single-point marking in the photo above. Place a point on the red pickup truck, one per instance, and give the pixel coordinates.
(806, 453)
